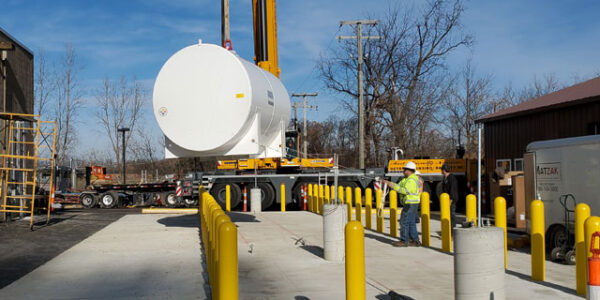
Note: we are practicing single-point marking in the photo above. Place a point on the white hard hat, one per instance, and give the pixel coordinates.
(417, 172)
(410, 165)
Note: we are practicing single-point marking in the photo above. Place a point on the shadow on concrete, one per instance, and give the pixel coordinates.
(187, 221)
(439, 250)
(315, 250)
(24, 250)
(544, 283)
(382, 239)
(53, 220)
(241, 217)
(301, 298)
(393, 296)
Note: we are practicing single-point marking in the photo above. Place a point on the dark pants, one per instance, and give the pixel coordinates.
(453, 214)
(408, 227)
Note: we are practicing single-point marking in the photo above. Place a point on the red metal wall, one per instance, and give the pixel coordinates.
(508, 138)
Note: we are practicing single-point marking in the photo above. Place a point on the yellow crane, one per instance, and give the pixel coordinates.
(265, 35)
(264, 21)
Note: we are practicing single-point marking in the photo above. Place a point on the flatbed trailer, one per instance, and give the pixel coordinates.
(120, 195)
(271, 183)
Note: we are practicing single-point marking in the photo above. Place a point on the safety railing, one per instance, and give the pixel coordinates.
(219, 240)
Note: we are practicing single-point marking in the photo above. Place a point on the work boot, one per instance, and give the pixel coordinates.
(400, 244)
(415, 244)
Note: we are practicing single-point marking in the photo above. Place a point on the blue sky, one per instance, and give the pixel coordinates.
(515, 40)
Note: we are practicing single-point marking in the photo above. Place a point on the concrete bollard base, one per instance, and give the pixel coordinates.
(479, 263)
(255, 200)
(334, 221)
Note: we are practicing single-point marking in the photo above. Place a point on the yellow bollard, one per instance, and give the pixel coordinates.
(332, 194)
(213, 246)
(321, 199)
(355, 261)
(228, 198)
(319, 193)
(500, 219)
(228, 262)
(425, 217)
(379, 210)
(378, 198)
(221, 219)
(358, 204)
(341, 193)
(327, 194)
(538, 243)
(471, 209)
(315, 198)
(368, 205)
(309, 197)
(446, 226)
(349, 202)
(349, 211)
(582, 212)
(282, 197)
(394, 214)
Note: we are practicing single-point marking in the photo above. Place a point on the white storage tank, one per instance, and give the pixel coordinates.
(209, 102)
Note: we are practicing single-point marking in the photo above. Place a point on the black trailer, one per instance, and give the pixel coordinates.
(122, 195)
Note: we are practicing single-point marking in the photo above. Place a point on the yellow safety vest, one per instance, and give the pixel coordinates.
(410, 189)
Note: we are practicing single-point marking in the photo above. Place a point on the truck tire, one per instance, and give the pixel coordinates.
(88, 200)
(170, 199)
(267, 195)
(109, 199)
(218, 192)
(191, 202)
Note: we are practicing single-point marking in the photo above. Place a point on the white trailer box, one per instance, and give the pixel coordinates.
(562, 167)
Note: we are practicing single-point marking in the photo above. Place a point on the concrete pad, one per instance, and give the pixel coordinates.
(138, 256)
(280, 258)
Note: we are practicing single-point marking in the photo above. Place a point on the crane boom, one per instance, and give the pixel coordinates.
(265, 35)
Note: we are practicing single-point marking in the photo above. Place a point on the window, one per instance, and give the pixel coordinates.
(593, 128)
(518, 164)
(504, 164)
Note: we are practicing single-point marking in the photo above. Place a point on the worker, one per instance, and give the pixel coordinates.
(410, 197)
(418, 214)
(450, 187)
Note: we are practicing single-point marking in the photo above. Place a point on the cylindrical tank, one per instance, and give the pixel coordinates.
(210, 102)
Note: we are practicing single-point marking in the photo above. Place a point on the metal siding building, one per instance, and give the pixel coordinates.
(572, 111)
(19, 77)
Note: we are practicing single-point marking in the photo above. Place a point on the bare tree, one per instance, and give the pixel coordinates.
(470, 98)
(538, 87)
(45, 84)
(119, 105)
(68, 103)
(405, 78)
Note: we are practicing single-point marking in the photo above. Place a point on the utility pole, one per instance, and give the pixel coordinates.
(304, 106)
(123, 130)
(361, 104)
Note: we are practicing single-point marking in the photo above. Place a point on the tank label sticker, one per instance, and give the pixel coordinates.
(239, 95)
(270, 98)
(162, 111)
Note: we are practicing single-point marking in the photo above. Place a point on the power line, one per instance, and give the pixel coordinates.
(304, 106)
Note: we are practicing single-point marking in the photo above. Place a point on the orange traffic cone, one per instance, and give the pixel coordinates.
(594, 269)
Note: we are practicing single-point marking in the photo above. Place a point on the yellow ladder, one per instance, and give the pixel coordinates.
(18, 168)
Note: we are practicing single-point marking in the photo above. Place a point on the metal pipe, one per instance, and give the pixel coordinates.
(124, 130)
(479, 176)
